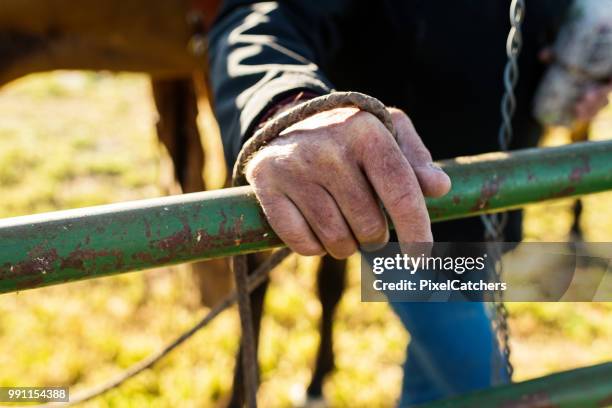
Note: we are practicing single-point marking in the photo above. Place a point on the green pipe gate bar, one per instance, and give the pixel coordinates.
(589, 387)
(59, 247)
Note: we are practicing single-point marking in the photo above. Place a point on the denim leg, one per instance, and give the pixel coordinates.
(452, 350)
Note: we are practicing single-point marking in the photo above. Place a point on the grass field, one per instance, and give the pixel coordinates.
(74, 139)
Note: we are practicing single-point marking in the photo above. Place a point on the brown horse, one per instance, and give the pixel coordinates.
(164, 39)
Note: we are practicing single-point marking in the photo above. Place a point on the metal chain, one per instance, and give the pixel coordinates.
(514, 44)
(496, 223)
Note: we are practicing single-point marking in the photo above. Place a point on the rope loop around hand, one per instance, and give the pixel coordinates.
(273, 128)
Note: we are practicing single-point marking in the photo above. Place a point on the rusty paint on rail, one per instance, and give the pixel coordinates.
(64, 246)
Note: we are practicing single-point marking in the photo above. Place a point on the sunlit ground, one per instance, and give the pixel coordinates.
(73, 139)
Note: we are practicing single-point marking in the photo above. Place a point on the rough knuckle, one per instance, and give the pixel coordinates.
(397, 175)
(397, 114)
(366, 119)
(402, 202)
(371, 229)
(307, 248)
(305, 149)
(331, 236)
(337, 243)
(365, 124)
(343, 251)
(400, 118)
(332, 159)
(262, 167)
(375, 142)
(290, 234)
(254, 169)
(319, 156)
(307, 196)
(421, 154)
(278, 164)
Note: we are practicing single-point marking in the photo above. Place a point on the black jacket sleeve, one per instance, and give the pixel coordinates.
(260, 53)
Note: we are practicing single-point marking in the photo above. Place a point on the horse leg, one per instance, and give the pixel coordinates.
(576, 231)
(177, 129)
(579, 133)
(330, 284)
(257, 303)
(177, 105)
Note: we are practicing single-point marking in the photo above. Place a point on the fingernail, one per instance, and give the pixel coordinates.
(434, 166)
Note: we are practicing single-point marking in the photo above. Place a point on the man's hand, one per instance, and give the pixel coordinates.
(322, 182)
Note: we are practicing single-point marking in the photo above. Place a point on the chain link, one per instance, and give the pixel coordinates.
(514, 44)
(495, 223)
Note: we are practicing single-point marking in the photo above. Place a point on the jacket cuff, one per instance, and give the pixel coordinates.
(265, 99)
(288, 102)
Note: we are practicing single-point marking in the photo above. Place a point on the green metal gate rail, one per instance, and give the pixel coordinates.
(589, 387)
(59, 247)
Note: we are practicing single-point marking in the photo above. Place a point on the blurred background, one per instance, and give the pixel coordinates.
(71, 139)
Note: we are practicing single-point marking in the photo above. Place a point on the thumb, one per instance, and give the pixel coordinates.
(433, 180)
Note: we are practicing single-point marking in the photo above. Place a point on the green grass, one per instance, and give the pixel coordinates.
(73, 139)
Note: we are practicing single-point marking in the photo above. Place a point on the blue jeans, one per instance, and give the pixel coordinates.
(452, 350)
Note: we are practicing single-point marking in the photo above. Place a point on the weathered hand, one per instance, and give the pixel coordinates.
(322, 181)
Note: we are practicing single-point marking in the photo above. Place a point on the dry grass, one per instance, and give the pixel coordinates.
(75, 139)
